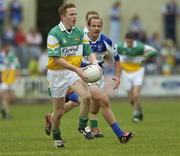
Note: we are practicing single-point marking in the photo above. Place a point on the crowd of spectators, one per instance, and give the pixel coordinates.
(28, 45)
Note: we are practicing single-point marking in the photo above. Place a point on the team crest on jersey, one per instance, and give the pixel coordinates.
(64, 41)
(77, 39)
(100, 47)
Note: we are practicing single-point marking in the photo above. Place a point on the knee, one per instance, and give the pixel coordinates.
(86, 98)
(131, 100)
(135, 97)
(105, 103)
(58, 114)
(95, 110)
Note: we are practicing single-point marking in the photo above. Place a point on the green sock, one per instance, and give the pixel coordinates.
(56, 134)
(94, 123)
(83, 122)
(136, 113)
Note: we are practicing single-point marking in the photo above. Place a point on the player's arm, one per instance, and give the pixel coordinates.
(149, 52)
(117, 67)
(115, 58)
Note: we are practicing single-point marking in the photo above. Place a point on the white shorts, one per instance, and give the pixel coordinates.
(133, 79)
(99, 83)
(4, 86)
(60, 81)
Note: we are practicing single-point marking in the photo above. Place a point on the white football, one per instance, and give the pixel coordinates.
(93, 73)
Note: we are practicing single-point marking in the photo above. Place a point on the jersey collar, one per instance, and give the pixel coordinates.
(98, 39)
(134, 44)
(63, 28)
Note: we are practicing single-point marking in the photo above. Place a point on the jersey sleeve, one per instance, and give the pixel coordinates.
(86, 46)
(53, 45)
(149, 51)
(109, 46)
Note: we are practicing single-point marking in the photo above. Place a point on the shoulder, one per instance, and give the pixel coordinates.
(120, 45)
(79, 29)
(106, 39)
(140, 45)
(54, 30)
(53, 35)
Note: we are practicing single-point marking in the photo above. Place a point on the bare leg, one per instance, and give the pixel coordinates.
(101, 99)
(137, 110)
(70, 105)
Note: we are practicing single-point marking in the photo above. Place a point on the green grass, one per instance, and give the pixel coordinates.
(157, 135)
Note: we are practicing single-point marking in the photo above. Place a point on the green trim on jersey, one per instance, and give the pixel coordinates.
(136, 50)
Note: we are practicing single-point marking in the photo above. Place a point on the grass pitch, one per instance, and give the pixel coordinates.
(157, 135)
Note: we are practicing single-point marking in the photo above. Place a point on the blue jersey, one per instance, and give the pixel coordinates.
(100, 48)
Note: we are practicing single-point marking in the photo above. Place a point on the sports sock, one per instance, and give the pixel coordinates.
(94, 123)
(83, 122)
(56, 134)
(136, 113)
(4, 114)
(115, 127)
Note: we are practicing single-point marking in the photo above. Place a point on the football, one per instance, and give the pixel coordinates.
(93, 73)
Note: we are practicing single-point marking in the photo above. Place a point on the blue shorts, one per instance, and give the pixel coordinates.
(73, 96)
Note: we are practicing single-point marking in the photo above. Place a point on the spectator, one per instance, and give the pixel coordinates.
(42, 62)
(136, 26)
(21, 49)
(168, 54)
(8, 35)
(34, 41)
(16, 13)
(2, 17)
(115, 22)
(155, 41)
(170, 12)
(33, 67)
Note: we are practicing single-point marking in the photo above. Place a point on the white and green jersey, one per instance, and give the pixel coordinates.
(72, 46)
(131, 58)
(9, 66)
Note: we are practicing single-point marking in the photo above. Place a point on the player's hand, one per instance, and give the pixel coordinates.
(116, 79)
(81, 74)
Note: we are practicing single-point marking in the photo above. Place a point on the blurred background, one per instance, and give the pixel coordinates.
(24, 24)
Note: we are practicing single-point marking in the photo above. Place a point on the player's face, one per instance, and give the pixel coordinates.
(69, 19)
(129, 42)
(95, 28)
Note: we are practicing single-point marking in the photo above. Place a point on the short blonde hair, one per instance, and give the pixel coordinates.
(63, 8)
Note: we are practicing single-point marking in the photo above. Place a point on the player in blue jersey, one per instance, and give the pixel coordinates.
(101, 45)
